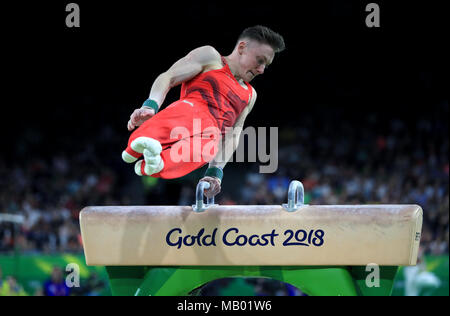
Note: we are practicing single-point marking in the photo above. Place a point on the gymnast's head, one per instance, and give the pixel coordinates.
(255, 49)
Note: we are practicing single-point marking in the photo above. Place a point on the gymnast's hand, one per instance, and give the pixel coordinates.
(139, 116)
(214, 188)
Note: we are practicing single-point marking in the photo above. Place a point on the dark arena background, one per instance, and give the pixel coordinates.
(362, 118)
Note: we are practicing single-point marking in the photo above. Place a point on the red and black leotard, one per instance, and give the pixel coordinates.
(213, 99)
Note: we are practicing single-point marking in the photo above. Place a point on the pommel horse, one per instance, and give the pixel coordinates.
(323, 250)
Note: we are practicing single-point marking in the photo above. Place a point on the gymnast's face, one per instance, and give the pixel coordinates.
(254, 58)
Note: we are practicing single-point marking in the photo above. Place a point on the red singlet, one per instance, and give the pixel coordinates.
(221, 92)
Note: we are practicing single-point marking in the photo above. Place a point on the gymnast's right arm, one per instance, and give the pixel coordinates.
(183, 70)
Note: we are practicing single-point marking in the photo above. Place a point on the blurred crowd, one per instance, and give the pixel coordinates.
(339, 161)
(55, 285)
(50, 197)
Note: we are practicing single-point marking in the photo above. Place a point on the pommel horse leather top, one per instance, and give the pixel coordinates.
(263, 235)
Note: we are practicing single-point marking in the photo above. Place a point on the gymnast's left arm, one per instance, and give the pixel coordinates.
(226, 148)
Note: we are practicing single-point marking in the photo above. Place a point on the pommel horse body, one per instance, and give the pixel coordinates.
(320, 249)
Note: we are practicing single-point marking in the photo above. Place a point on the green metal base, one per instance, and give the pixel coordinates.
(312, 280)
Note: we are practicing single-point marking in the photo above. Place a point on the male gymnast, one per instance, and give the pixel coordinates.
(215, 93)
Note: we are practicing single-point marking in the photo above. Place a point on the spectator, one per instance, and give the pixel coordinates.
(10, 287)
(56, 285)
(1, 281)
